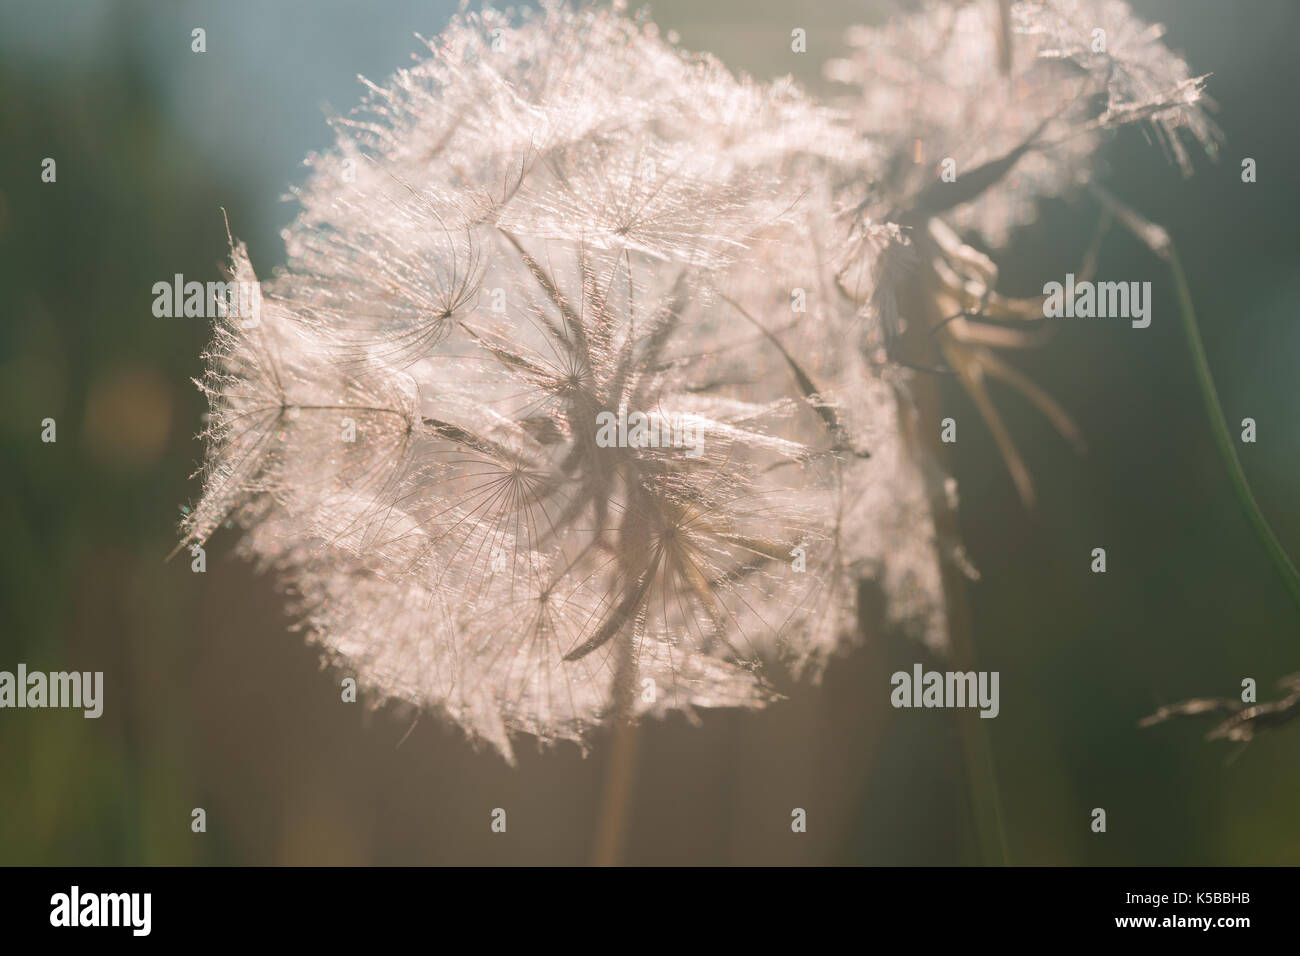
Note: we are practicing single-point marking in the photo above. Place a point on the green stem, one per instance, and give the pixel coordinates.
(1158, 241)
(1222, 436)
(976, 745)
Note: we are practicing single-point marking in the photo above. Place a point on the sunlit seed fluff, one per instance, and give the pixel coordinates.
(934, 85)
(550, 221)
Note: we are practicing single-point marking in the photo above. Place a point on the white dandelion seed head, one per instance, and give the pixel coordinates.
(554, 221)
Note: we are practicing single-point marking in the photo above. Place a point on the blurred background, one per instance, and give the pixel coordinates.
(213, 701)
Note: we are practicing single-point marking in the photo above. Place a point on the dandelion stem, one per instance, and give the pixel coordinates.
(611, 827)
(1159, 242)
(1223, 438)
(977, 747)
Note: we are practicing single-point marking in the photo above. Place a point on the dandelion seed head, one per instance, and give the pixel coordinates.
(553, 224)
